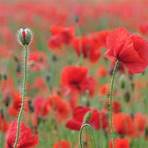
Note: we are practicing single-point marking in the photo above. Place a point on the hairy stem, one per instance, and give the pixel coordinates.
(22, 96)
(85, 125)
(110, 103)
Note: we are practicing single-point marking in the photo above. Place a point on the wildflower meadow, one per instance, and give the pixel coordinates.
(73, 73)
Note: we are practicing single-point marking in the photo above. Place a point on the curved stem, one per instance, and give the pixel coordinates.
(110, 102)
(81, 132)
(22, 97)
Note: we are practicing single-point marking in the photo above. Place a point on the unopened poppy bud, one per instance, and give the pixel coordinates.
(127, 96)
(122, 81)
(146, 133)
(87, 117)
(25, 36)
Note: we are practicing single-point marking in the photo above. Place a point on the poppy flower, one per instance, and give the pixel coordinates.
(120, 143)
(104, 90)
(144, 28)
(116, 106)
(97, 119)
(60, 36)
(140, 123)
(60, 106)
(87, 47)
(76, 79)
(129, 49)
(102, 72)
(39, 84)
(26, 140)
(100, 37)
(38, 60)
(3, 123)
(15, 105)
(62, 144)
(41, 106)
(123, 124)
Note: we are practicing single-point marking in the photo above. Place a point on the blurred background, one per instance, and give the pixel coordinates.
(46, 63)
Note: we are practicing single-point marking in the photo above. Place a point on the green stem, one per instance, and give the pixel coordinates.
(85, 125)
(23, 96)
(110, 103)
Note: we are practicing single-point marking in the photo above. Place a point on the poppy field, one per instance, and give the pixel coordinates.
(74, 74)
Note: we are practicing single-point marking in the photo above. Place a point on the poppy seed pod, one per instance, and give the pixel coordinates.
(24, 36)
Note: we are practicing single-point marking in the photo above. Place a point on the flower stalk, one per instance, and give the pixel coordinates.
(24, 38)
(85, 125)
(110, 100)
(22, 97)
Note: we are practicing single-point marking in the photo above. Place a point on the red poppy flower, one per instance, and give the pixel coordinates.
(3, 123)
(60, 107)
(120, 143)
(39, 84)
(41, 106)
(97, 120)
(87, 47)
(123, 124)
(38, 61)
(62, 144)
(115, 105)
(76, 79)
(140, 123)
(26, 140)
(60, 36)
(104, 90)
(100, 37)
(144, 28)
(102, 72)
(130, 50)
(14, 108)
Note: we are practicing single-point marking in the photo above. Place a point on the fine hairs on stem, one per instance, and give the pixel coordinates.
(23, 95)
(110, 103)
(86, 125)
(24, 38)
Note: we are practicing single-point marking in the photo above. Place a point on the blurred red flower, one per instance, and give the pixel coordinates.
(41, 106)
(75, 78)
(60, 36)
(87, 47)
(102, 72)
(140, 123)
(61, 107)
(144, 28)
(104, 90)
(62, 144)
(116, 106)
(3, 123)
(15, 105)
(38, 60)
(26, 140)
(97, 120)
(120, 143)
(123, 124)
(130, 50)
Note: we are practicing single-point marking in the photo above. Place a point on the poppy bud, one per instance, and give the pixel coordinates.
(122, 81)
(24, 36)
(127, 96)
(146, 132)
(87, 117)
